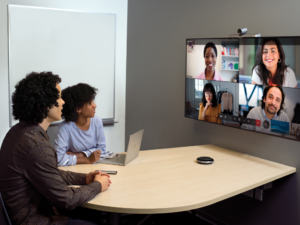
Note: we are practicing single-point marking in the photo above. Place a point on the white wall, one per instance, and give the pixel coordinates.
(115, 135)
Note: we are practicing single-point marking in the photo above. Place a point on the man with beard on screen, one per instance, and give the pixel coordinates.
(270, 111)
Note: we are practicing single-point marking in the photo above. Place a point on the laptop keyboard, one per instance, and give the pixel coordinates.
(120, 159)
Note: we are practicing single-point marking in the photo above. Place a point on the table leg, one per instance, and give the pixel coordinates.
(114, 218)
(143, 220)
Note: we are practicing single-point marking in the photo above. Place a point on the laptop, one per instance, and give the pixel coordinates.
(133, 149)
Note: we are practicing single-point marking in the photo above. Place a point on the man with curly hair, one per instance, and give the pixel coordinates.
(31, 184)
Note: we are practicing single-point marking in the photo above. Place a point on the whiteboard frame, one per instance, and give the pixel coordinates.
(107, 121)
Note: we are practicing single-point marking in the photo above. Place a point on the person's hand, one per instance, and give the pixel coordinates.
(90, 177)
(104, 180)
(208, 104)
(94, 157)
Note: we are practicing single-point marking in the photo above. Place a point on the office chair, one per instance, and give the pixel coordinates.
(4, 219)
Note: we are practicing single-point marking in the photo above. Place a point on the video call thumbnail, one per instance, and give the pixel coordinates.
(264, 61)
(270, 61)
(247, 83)
(213, 59)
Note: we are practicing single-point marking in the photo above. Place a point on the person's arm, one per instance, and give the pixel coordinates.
(201, 110)
(68, 158)
(207, 105)
(219, 112)
(71, 178)
(62, 146)
(203, 114)
(42, 172)
(100, 138)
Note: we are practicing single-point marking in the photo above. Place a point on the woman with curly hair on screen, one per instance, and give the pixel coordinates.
(209, 108)
(270, 68)
(80, 138)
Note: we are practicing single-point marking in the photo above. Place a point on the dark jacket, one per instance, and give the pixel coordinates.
(30, 182)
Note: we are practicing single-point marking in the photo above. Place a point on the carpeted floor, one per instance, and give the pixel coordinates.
(180, 218)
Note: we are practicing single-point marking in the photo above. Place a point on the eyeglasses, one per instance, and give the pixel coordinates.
(208, 93)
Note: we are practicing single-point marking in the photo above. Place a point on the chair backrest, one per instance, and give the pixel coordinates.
(4, 219)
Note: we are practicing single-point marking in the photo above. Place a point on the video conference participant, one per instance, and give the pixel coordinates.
(30, 182)
(270, 68)
(271, 109)
(210, 56)
(80, 138)
(209, 108)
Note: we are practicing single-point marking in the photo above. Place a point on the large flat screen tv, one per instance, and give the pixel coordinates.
(246, 83)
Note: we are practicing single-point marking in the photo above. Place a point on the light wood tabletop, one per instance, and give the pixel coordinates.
(170, 180)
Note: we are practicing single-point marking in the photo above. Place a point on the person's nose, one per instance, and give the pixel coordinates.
(273, 102)
(269, 54)
(95, 106)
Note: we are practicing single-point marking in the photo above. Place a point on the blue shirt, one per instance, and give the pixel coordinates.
(71, 138)
(258, 113)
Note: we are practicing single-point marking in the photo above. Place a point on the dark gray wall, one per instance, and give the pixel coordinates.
(157, 30)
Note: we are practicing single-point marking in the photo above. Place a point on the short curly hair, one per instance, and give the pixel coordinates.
(210, 45)
(75, 97)
(34, 96)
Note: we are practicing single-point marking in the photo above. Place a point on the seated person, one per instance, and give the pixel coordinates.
(209, 108)
(80, 138)
(30, 182)
(271, 109)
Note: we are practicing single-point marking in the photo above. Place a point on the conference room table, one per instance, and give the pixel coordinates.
(171, 180)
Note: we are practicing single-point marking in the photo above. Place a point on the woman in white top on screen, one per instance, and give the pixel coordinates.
(80, 138)
(270, 68)
(210, 56)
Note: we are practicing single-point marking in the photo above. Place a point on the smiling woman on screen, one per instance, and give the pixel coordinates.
(270, 68)
(210, 56)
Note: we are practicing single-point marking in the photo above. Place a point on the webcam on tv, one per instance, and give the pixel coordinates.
(242, 32)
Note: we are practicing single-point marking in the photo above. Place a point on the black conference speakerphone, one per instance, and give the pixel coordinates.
(205, 160)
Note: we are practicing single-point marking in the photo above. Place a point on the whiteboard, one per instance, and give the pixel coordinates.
(77, 46)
